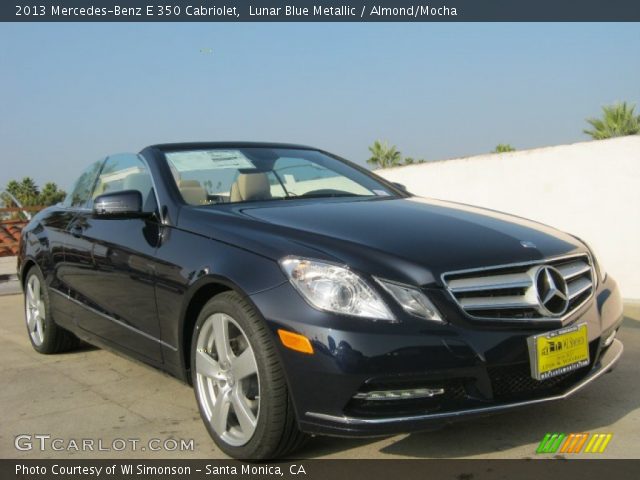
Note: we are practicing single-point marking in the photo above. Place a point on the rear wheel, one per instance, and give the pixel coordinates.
(46, 337)
(239, 384)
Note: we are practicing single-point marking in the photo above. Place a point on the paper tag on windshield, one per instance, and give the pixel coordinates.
(208, 159)
(381, 193)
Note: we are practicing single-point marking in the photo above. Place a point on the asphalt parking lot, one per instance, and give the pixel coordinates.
(95, 394)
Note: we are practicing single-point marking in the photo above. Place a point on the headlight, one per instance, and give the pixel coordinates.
(333, 288)
(412, 300)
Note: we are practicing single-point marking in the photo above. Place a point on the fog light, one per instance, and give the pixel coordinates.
(609, 340)
(405, 394)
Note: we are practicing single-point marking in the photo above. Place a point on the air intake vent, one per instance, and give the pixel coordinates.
(551, 289)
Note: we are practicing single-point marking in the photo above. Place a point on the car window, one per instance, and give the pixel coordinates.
(258, 174)
(80, 194)
(126, 172)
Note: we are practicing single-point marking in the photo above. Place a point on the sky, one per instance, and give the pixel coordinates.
(73, 93)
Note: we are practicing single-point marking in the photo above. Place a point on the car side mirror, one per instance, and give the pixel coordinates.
(123, 204)
(400, 186)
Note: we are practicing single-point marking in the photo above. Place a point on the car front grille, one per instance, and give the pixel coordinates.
(509, 292)
(514, 381)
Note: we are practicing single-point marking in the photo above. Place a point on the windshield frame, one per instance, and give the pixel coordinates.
(392, 189)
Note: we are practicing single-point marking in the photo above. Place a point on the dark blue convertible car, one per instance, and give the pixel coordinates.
(300, 293)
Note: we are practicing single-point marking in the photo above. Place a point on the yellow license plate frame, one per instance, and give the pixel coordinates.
(558, 352)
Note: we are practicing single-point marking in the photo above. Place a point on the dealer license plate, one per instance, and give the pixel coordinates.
(558, 352)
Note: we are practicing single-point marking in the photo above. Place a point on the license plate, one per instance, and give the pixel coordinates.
(558, 352)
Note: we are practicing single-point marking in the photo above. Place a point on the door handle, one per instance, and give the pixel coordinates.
(76, 231)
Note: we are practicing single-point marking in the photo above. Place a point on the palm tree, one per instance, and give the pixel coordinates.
(28, 194)
(26, 191)
(503, 148)
(51, 194)
(617, 120)
(383, 155)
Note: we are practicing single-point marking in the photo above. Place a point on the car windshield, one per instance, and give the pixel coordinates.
(235, 175)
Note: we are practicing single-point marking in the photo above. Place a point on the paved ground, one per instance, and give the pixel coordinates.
(8, 279)
(8, 265)
(96, 394)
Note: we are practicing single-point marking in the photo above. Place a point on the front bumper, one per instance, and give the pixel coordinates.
(483, 368)
(358, 426)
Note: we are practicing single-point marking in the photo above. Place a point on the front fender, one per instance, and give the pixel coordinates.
(190, 269)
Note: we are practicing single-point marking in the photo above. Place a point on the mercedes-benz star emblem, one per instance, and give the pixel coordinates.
(552, 290)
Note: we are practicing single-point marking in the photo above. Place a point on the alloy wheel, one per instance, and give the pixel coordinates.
(227, 379)
(35, 310)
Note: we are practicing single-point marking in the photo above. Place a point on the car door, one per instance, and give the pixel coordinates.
(111, 263)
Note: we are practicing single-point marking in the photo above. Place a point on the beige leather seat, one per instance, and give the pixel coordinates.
(192, 192)
(250, 186)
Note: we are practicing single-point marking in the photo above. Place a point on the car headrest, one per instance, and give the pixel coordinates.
(189, 183)
(192, 192)
(250, 186)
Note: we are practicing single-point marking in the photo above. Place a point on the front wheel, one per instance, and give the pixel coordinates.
(45, 335)
(239, 384)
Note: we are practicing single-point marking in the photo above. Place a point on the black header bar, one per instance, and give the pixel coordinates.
(584, 469)
(320, 11)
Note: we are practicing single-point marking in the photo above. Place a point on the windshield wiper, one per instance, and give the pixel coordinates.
(324, 195)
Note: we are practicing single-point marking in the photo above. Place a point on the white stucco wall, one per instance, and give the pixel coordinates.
(591, 189)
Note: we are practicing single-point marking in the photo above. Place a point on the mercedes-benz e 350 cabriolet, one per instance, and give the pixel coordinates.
(301, 294)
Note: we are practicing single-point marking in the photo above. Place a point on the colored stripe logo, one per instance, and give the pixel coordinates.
(574, 443)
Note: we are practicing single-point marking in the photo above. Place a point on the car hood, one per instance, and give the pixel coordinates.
(411, 239)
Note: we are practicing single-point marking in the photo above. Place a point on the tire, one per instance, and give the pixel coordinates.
(46, 337)
(229, 394)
